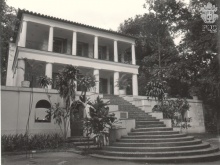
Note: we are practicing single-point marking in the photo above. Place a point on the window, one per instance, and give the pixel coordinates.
(42, 112)
(59, 45)
(82, 49)
(102, 52)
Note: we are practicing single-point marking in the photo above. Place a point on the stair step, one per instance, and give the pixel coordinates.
(158, 149)
(152, 129)
(161, 154)
(154, 136)
(152, 141)
(187, 138)
(150, 125)
(146, 122)
(153, 133)
(175, 159)
(158, 144)
(143, 119)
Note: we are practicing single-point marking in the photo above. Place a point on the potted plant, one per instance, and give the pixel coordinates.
(25, 83)
(193, 91)
(123, 83)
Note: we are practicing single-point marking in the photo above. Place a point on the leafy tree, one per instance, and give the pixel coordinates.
(197, 66)
(8, 28)
(86, 82)
(193, 65)
(155, 48)
(99, 121)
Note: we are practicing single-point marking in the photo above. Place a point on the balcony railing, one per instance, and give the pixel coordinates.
(83, 53)
(37, 45)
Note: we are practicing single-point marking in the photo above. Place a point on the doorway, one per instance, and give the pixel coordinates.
(103, 86)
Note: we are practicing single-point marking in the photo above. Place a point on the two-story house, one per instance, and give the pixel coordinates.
(45, 44)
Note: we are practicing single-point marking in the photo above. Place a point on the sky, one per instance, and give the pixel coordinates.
(107, 14)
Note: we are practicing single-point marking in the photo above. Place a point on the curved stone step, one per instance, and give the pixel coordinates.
(153, 133)
(152, 129)
(158, 149)
(154, 136)
(136, 140)
(148, 122)
(150, 125)
(158, 144)
(143, 120)
(175, 159)
(161, 154)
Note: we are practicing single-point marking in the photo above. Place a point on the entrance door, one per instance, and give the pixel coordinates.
(103, 85)
(76, 122)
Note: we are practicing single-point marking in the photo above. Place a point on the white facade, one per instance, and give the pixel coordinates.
(103, 53)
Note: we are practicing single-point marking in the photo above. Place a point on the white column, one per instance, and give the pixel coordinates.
(96, 74)
(109, 87)
(22, 40)
(50, 40)
(116, 88)
(115, 51)
(135, 85)
(20, 72)
(48, 72)
(74, 43)
(96, 55)
(133, 54)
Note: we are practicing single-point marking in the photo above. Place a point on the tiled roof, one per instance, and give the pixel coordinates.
(20, 12)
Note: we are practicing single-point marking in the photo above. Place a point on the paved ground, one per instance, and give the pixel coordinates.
(67, 158)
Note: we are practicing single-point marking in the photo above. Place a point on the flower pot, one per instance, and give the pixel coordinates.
(25, 84)
(165, 95)
(195, 97)
(122, 92)
(182, 130)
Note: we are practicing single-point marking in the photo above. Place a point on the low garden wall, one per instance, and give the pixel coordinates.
(15, 110)
(196, 111)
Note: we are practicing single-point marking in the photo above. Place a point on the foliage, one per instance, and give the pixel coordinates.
(66, 86)
(155, 48)
(192, 64)
(175, 110)
(151, 33)
(100, 120)
(156, 89)
(86, 82)
(123, 82)
(8, 28)
(18, 142)
(44, 81)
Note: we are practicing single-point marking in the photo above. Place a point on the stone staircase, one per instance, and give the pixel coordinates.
(153, 142)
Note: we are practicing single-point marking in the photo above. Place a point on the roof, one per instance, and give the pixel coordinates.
(20, 12)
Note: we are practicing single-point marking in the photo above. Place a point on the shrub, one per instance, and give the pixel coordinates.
(175, 110)
(19, 142)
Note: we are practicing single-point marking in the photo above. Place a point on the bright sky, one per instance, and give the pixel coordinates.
(107, 14)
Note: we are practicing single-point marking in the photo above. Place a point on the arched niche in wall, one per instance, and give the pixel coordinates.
(42, 112)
